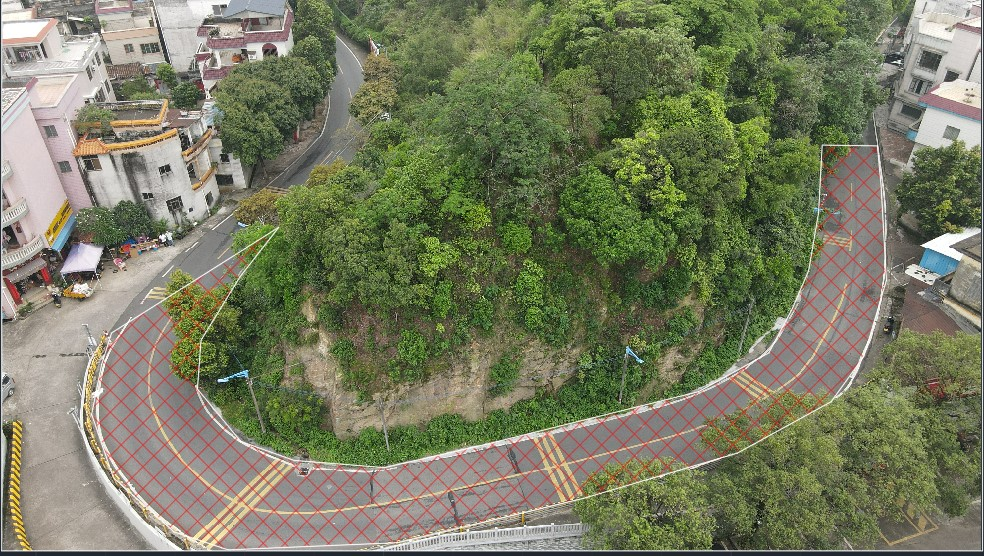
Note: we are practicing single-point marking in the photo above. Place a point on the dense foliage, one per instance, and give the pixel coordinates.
(126, 220)
(944, 188)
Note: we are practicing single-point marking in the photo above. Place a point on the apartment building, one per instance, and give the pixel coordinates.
(951, 110)
(940, 48)
(37, 215)
(179, 22)
(130, 32)
(247, 30)
(166, 159)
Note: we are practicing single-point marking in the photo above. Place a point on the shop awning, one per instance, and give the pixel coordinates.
(84, 257)
(62, 238)
(25, 270)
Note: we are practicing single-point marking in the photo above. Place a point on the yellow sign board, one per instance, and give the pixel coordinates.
(55, 228)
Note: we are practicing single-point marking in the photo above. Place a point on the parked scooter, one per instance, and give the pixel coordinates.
(56, 295)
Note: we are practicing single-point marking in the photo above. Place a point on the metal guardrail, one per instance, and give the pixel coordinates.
(491, 536)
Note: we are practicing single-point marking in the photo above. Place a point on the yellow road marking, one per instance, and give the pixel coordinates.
(156, 293)
(846, 242)
(563, 469)
(823, 339)
(751, 386)
(550, 469)
(231, 514)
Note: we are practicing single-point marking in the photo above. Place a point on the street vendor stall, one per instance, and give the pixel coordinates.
(83, 258)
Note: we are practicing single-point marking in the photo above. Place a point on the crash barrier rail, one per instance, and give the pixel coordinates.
(16, 444)
(492, 536)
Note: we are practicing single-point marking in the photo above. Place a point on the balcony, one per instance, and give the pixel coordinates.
(23, 254)
(75, 53)
(14, 212)
(208, 174)
(7, 171)
(195, 149)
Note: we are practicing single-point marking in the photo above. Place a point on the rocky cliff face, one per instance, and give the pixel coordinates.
(462, 388)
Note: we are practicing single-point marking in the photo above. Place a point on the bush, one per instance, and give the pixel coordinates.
(412, 348)
(186, 95)
(516, 238)
(503, 375)
(344, 351)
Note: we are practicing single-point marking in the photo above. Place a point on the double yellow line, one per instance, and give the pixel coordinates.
(230, 516)
(845, 242)
(557, 468)
(753, 387)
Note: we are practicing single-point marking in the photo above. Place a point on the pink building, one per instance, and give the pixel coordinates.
(37, 216)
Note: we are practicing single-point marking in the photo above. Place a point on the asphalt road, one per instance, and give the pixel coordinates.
(184, 464)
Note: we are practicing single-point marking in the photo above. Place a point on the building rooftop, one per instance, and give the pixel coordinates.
(944, 244)
(973, 25)
(19, 15)
(970, 247)
(10, 95)
(124, 71)
(959, 97)
(26, 31)
(255, 8)
(49, 90)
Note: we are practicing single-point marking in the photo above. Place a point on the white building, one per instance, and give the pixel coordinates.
(940, 48)
(165, 159)
(962, 8)
(179, 22)
(952, 110)
(34, 47)
(248, 30)
(130, 32)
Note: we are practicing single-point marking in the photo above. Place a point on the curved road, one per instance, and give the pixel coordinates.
(186, 467)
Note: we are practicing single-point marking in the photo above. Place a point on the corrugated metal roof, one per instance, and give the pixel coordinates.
(270, 7)
(944, 244)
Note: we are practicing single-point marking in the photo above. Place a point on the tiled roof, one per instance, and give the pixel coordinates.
(88, 147)
(10, 95)
(269, 7)
(124, 71)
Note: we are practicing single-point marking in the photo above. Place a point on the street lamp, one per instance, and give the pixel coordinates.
(625, 364)
(249, 382)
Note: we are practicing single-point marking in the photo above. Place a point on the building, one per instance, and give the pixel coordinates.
(34, 48)
(940, 257)
(166, 159)
(962, 8)
(940, 48)
(130, 32)
(964, 295)
(951, 110)
(247, 30)
(179, 22)
(37, 215)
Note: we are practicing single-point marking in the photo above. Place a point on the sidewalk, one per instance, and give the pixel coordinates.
(63, 504)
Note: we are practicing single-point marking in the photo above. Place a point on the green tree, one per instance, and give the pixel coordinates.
(299, 78)
(133, 219)
(92, 116)
(850, 86)
(944, 188)
(167, 75)
(372, 99)
(428, 56)
(915, 360)
(670, 513)
(260, 97)
(186, 95)
(135, 86)
(314, 19)
(865, 19)
(586, 107)
(98, 222)
(252, 137)
(196, 311)
(258, 207)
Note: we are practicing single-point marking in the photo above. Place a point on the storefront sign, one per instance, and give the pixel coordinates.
(58, 223)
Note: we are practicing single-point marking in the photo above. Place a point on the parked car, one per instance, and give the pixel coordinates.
(8, 386)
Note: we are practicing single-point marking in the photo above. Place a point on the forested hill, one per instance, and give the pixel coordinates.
(587, 173)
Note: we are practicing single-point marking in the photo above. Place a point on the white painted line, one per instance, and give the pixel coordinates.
(313, 142)
(193, 245)
(356, 58)
(224, 252)
(215, 227)
(349, 91)
(166, 272)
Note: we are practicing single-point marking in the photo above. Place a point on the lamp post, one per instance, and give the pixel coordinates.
(625, 364)
(249, 382)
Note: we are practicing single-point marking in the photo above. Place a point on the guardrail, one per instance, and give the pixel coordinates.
(491, 536)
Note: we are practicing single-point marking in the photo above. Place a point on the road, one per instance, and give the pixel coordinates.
(186, 468)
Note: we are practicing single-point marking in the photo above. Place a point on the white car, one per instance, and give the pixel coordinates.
(8, 386)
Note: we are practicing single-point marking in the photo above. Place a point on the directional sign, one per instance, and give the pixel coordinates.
(240, 374)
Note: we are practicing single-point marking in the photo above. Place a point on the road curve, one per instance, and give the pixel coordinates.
(191, 474)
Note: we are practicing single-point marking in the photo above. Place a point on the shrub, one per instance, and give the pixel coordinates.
(503, 375)
(516, 238)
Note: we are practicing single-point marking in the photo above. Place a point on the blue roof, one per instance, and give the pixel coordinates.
(269, 7)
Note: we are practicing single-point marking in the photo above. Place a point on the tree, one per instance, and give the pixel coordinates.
(944, 188)
(299, 78)
(314, 19)
(260, 96)
(99, 223)
(91, 116)
(167, 75)
(865, 19)
(372, 99)
(670, 513)
(258, 207)
(136, 86)
(251, 136)
(204, 325)
(133, 219)
(186, 95)
(309, 50)
(850, 86)
(580, 95)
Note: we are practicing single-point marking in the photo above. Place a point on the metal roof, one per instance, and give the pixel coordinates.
(268, 7)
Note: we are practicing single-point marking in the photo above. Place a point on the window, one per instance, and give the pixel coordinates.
(930, 60)
(223, 179)
(164, 170)
(919, 86)
(100, 95)
(98, 60)
(911, 111)
(50, 131)
(64, 167)
(217, 10)
(88, 71)
(209, 198)
(951, 132)
(951, 75)
(92, 163)
(175, 204)
(224, 157)
(106, 86)
(147, 196)
(191, 171)
(128, 48)
(150, 48)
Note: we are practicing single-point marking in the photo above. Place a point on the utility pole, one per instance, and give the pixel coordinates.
(625, 365)
(249, 382)
(382, 414)
(741, 343)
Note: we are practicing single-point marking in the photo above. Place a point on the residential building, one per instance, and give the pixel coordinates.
(179, 22)
(130, 32)
(964, 295)
(37, 215)
(939, 256)
(940, 47)
(962, 8)
(34, 47)
(247, 30)
(165, 159)
(951, 110)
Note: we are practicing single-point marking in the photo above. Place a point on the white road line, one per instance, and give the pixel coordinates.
(350, 91)
(330, 154)
(193, 245)
(215, 227)
(223, 252)
(356, 58)
(166, 272)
